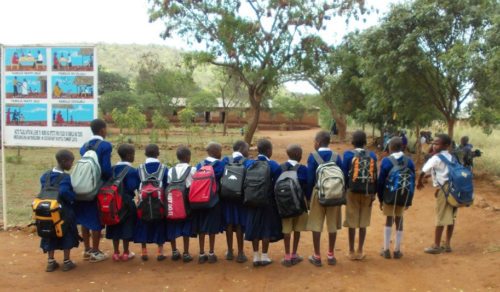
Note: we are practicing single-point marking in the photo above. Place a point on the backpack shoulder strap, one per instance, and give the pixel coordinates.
(393, 160)
(212, 164)
(59, 178)
(317, 157)
(47, 180)
(173, 176)
(160, 172)
(334, 157)
(284, 167)
(143, 172)
(119, 178)
(230, 159)
(444, 159)
(185, 174)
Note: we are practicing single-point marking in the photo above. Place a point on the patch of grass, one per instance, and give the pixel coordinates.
(492, 248)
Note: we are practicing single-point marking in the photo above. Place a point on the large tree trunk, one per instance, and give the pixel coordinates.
(253, 120)
(451, 127)
(341, 121)
(418, 146)
(224, 130)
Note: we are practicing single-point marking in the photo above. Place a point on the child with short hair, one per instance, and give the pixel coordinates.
(233, 212)
(393, 212)
(182, 228)
(152, 232)
(298, 223)
(87, 214)
(359, 205)
(318, 213)
(208, 221)
(445, 213)
(125, 229)
(66, 199)
(263, 223)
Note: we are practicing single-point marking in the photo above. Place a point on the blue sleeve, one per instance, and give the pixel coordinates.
(165, 177)
(132, 181)
(198, 166)
(346, 165)
(248, 163)
(225, 160)
(275, 171)
(385, 168)
(219, 169)
(302, 176)
(311, 175)
(66, 192)
(42, 181)
(373, 155)
(105, 156)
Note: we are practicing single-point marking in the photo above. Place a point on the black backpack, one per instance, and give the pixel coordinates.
(257, 185)
(288, 193)
(232, 181)
(363, 173)
(47, 211)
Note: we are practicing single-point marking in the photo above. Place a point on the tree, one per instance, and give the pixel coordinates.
(120, 119)
(202, 101)
(438, 45)
(258, 40)
(136, 120)
(162, 83)
(291, 107)
(111, 81)
(117, 99)
(161, 122)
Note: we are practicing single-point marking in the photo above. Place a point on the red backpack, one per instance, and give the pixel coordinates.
(151, 206)
(203, 190)
(177, 203)
(110, 201)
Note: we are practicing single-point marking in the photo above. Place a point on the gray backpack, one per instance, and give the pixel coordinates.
(329, 181)
(86, 176)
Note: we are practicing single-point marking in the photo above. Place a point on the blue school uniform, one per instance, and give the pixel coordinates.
(87, 213)
(152, 232)
(301, 174)
(125, 229)
(178, 228)
(346, 166)
(385, 168)
(233, 212)
(66, 199)
(209, 220)
(312, 166)
(264, 222)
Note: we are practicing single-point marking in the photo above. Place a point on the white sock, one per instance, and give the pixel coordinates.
(256, 256)
(399, 236)
(387, 237)
(265, 257)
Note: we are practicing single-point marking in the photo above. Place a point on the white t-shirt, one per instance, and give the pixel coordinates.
(437, 168)
(180, 168)
(423, 140)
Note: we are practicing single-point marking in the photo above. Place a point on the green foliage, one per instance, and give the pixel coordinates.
(202, 101)
(120, 119)
(136, 120)
(186, 117)
(291, 107)
(161, 122)
(111, 81)
(120, 100)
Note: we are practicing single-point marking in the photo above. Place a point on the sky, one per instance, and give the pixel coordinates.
(116, 21)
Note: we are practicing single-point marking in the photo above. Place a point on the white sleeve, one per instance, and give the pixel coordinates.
(430, 164)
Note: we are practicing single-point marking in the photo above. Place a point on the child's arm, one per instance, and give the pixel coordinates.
(426, 169)
(381, 179)
(106, 169)
(66, 192)
(346, 165)
(311, 176)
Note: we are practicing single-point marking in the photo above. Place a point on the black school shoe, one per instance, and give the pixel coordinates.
(332, 261)
(397, 254)
(286, 263)
(386, 253)
(202, 258)
(176, 255)
(315, 261)
(212, 258)
(51, 266)
(160, 257)
(186, 258)
(68, 266)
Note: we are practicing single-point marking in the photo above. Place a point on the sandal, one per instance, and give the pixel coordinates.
(433, 250)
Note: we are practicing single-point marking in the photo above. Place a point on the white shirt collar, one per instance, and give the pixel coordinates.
(181, 164)
(96, 137)
(262, 155)
(359, 149)
(152, 160)
(211, 159)
(237, 154)
(397, 155)
(324, 149)
(57, 170)
(124, 163)
(444, 152)
(293, 162)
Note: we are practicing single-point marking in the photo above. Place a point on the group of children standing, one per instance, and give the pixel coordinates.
(259, 224)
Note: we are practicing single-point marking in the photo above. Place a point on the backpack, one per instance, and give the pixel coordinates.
(86, 176)
(203, 190)
(151, 205)
(47, 212)
(288, 193)
(400, 183)
(176, 198)
(363, 173)
(257, 185)
(231, 183)
(460, 191)
(110, 202)
(329, 181)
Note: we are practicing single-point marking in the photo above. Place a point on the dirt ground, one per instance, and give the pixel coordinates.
(472, 266)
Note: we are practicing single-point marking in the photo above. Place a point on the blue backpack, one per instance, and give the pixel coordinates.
(460, 192)
(400, 183)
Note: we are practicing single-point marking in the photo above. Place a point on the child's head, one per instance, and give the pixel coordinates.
(358, 139)
(99, 127)
(126, 152)
(183, 154)
(396, 145)
(442, 142)
(152, 151)
(322, 139)
(65, 159)
(242, 147)
(294, 152)
(464, 140)
(265, 147)
(214, 150)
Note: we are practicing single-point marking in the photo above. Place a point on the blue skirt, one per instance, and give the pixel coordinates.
(87, 215)
(207, 220)
(125, 229)
(175, 229)
(70, 238)
(233, 213)
(150, 232)
(263, 223)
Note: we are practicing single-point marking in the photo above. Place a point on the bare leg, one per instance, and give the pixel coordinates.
(229, 237)
(296, 239)
(362, 236)
(316, 242)
(185, 241)
(449, 234)
(211, 242)
(352, 237)
(66, 254)
(286, 241)
(255, 245)
(51, 254)
(173, 244)
(86, 238)
(437, 235)
(201, 241)
(116, 246)
(239, 239)
(265, 245)
(332, 238)
(126, 246)
(96, 237)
